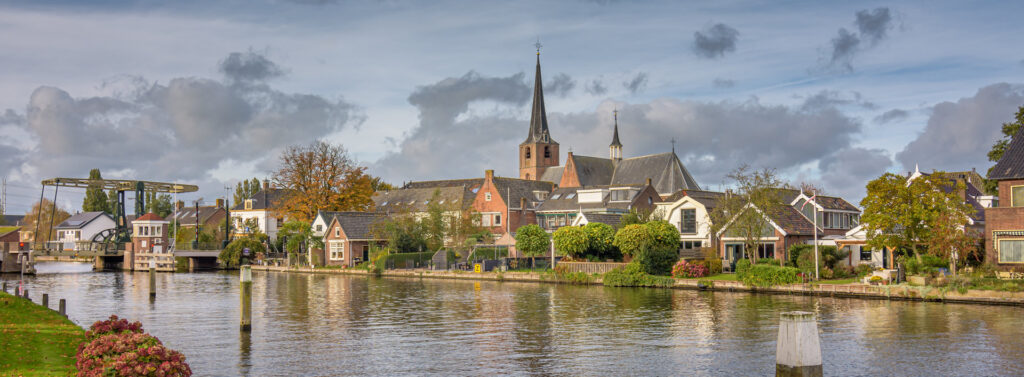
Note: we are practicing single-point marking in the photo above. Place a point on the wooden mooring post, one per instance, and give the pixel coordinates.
(798, 351)
(46, 300)
(152, 279)
(245, 283)
(62, 306)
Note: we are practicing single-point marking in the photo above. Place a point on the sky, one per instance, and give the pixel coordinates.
(208, 93)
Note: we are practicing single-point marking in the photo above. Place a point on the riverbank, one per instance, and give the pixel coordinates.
(36, 341)
(873, 292)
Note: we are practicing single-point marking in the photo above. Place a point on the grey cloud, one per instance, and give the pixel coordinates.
(560, 85)
(891, 116)
(874, 24)
(442, 147)
(846, 172)
(637, 84)
(715, 41)
(844, 46)
(959, 134)
(595, 87)
(723, 83)
(831, 98)
(180, 130)
(249, 67)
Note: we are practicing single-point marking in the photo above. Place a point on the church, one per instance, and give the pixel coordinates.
(539, 159)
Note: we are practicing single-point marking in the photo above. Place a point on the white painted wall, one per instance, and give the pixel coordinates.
(673, 213)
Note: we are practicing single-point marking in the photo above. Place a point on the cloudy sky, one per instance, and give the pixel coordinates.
(832, 93)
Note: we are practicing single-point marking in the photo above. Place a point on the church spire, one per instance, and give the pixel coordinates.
(538, 118)
(615, 148)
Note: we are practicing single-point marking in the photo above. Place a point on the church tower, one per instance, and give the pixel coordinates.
(615, 148)
(539, 151)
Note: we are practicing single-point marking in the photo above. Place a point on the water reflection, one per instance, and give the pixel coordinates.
(341, 325)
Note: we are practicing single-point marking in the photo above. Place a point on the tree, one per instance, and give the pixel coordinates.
(631, 239)
(112, 202)
(746, 210)
(602, 240)
(663, 234)
(953, 241)
(403, 232)
(641, 216)
(246, 189)
(378, 184)
(906, 215)
(532, 241)
(1010, 129)
(232, 254)
(322, 177)
(296, 233)
(42, 211)
(160, 204)
(95, 200)
(571, 241)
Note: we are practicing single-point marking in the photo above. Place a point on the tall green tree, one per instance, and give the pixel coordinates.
(160, 204)
(246, 189)
(1010, 129)
(532, 241)
(571, 241)
(112, 202)
(95, 200)
(907, 215)
(746, 209)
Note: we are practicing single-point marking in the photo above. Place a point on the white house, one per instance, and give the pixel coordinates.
(689, 211)
(259, 213)
(82, 227)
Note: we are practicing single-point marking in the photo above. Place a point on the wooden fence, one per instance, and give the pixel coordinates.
(590, 267)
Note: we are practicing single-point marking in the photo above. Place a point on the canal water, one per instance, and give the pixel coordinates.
(352, 325)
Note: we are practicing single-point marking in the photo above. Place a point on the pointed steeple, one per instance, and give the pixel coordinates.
(615, 148)
(538, 118)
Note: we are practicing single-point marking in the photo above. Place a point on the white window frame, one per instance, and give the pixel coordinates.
(999, 250)
(487, 196)
(336, 250)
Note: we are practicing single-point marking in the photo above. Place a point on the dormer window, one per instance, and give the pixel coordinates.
(248, 204)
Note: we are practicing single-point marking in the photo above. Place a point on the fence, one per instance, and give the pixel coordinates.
(590, 267)
(408, 260)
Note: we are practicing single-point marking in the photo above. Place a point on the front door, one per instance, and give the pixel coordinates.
(366, 252)
(733, 252)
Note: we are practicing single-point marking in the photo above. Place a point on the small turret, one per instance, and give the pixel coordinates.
(615, 148)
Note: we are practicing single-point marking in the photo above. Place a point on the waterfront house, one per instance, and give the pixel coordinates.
(150, 244)
(690, 212)
(505, 204)
(206, 217)
(786, 227)
(611, 219)
(81, 227)
(565, 204)
(1004, 225)
(348, 238)
(259, 213)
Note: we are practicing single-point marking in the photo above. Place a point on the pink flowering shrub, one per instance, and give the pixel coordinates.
(683, 269)
(118, 348)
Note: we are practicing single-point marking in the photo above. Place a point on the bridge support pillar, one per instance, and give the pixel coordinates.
(97, 263)
(191, 264)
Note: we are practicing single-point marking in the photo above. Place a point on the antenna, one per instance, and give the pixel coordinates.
(3, 197)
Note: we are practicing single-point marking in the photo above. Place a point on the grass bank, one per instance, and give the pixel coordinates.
(36, 341)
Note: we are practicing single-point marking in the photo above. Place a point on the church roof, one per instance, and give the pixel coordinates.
(593, 171)
(538, 118)
(615, 134)
(1011, 165)
(552, 174)
(666, 172)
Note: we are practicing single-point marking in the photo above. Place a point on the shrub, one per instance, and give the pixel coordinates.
(828, 258)
(571, 241)
(601, 239)
(766, 275)
(864, 270)
(563, 274)
(742, 266)
(633, 238)
(118, 348)
(232, 255)
(657, 260)
(664, 234)
(843, 271)
(827, 273)
(632, 275)
(684, 269)
(771, 261)
(711, 260)
(532, 241)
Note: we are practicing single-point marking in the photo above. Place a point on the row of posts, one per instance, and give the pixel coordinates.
(21, 291)
(245, 284)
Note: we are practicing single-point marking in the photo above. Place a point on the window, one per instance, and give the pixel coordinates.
(337, 250)
(497, 219)
(865, 253)
(556, 196)
(620, 195)
(487, 196)
(570, 195)
(337, 231)
(527, 154)
(547, 152)
(766, 250)
(828, 220)
(319, 228)
(1017, 196)
(690, 245)
(486, 219)
(688, 221)
(248, 204)
(1011, 251)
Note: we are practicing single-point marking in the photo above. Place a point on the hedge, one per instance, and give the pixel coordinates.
(398, 260)
(632, 275)
(766, 275)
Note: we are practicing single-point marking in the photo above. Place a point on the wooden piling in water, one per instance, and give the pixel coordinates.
(798, 350)
(5, 287)
(245, 283)
(152, 279)
(62, 308)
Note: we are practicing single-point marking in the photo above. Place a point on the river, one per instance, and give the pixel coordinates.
(353, 325)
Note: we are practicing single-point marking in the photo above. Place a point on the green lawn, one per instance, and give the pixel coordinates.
(838, 281)
(35, 341)
(730, 277)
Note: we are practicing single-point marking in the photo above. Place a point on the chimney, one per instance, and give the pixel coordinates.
(179, 205)
(648, 181)
(266, 184)
(522, 204)
(220, 203)
(489, 174)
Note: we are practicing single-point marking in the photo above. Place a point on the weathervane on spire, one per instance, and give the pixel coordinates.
(538, 45)
(673, 145)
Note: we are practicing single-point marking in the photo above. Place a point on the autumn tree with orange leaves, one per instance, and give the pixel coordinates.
(321, 177)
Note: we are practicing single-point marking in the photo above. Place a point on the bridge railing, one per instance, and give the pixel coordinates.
(199, 246)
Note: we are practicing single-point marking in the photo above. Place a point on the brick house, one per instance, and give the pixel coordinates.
(348, 237)
(564, 205)
(150, 243)
(505, 204)
(786, 227)
(1004, 223)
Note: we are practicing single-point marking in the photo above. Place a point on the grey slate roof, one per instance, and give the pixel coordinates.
(186, 216)
(666, 172)
(594, 171)
(263, 199)
(12, 220)
(612, 219)
(512, 190)
(1011, 166)
(825, 201)
(358, 225)
(552, 174)
(417, 199)
(538, 117)
(80, 220)
(566, 204)
(790, 220)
